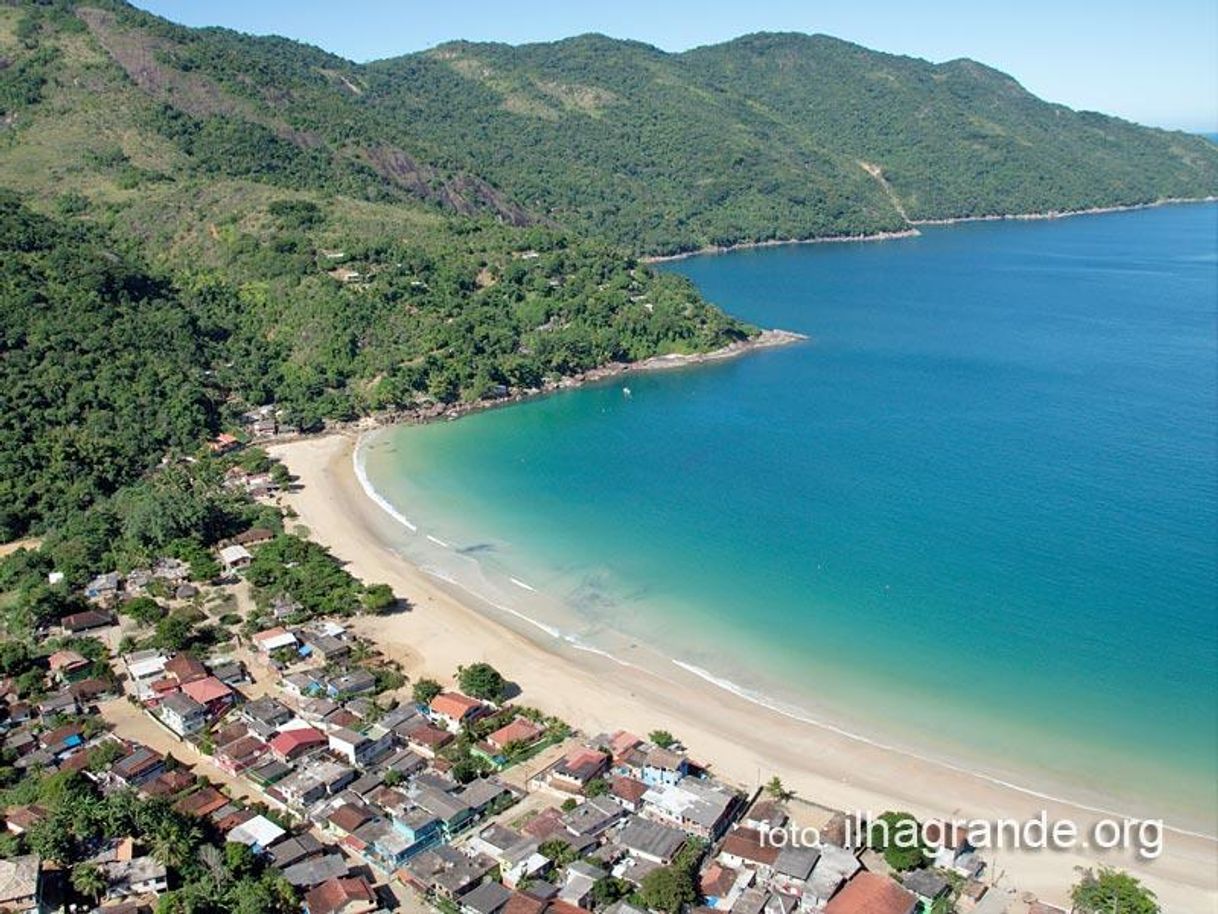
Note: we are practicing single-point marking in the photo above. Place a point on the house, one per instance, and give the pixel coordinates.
(102, 588)
(85, 621)
(353, 682)
(314, 781)
(202, 802)
(304, 874)
(272, 639)
(229, 672)
(240, 754)
(928, 885)
(347, 818)
(357, 748)
(428, 740)
(743, 848)
(68, 666)
(223, 443)
(488, 898)
(294, 849)
(305, 684)
(581, 877)
(184, 668)
(130, 877)
(702, 808)
(342, 895)
(265, 715)
(662, 767)
(447, 872)
(62, 740)
(289, 745)
(254, 536)
(143, 669)
(871, 893)
(61, 702)
(139, 766)
(452, 710)
(627, 792)
(211, 693)
(577, 768)
(234, 558)
(520, 732)
(21, 884)
(651, 840)
(793, 868)
(593, 817)
(949, 843)
(481, 793)
(87, 691)
(182, 714)
(327, 648)
(257, 833)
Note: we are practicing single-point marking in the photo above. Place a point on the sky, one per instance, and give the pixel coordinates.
(1155, 63)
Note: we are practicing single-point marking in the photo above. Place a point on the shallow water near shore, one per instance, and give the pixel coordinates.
(974, 517)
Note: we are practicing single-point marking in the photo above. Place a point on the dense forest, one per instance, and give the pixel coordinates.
(198, 222)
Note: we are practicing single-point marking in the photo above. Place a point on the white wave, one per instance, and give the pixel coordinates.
(523, 585)
(438, 541)
(449, 579)
(759, 698)
(361, 473)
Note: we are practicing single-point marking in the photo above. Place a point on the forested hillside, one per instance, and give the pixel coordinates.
(197, 222)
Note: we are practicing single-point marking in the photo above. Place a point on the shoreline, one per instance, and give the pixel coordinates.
(765, 339)
(912, 231)
(746, 740)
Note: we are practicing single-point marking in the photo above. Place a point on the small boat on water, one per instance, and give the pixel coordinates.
(626, 392)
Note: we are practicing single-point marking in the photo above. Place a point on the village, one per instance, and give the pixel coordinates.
(295, 738)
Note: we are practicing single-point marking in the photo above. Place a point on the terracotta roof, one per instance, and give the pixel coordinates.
(427, 735)
(871, 893)
(520, 903)
(717, 880)
(65, 660)
(289, 741)
(185, 668)
(88, 619)
(746, 844)
(349, 817)
(334, 894)
(454, 705)
(206, 690)
(627, 789)
(202, 802)
(521, 730)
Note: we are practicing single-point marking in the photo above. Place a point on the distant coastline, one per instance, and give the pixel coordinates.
(912, 231)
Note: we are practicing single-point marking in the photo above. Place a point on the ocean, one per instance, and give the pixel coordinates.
(974, 517)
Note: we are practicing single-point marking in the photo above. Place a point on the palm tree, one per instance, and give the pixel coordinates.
(89, 881)
(172, 843)
(776, 790)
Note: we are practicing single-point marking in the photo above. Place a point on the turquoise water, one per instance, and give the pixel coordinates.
(976, 515)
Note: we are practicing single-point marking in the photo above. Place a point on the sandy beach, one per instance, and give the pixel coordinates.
(742, 742)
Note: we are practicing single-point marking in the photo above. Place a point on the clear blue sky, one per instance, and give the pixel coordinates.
(1152, 62)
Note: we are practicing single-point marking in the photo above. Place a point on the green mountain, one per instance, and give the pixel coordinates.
(244, 220)
(770, 136)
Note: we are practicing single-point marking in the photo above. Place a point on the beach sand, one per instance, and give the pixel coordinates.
(741, 741)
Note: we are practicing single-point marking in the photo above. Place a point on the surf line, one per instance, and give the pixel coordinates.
(521, 584)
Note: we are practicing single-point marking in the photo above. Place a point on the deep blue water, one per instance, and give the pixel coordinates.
(977, 512)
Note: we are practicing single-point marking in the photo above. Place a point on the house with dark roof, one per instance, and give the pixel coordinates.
(579, 766)
(651, 841)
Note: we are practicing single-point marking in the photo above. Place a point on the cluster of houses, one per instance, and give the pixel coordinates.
(107, 590)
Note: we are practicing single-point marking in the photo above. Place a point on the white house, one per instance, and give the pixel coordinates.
(182, 714)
